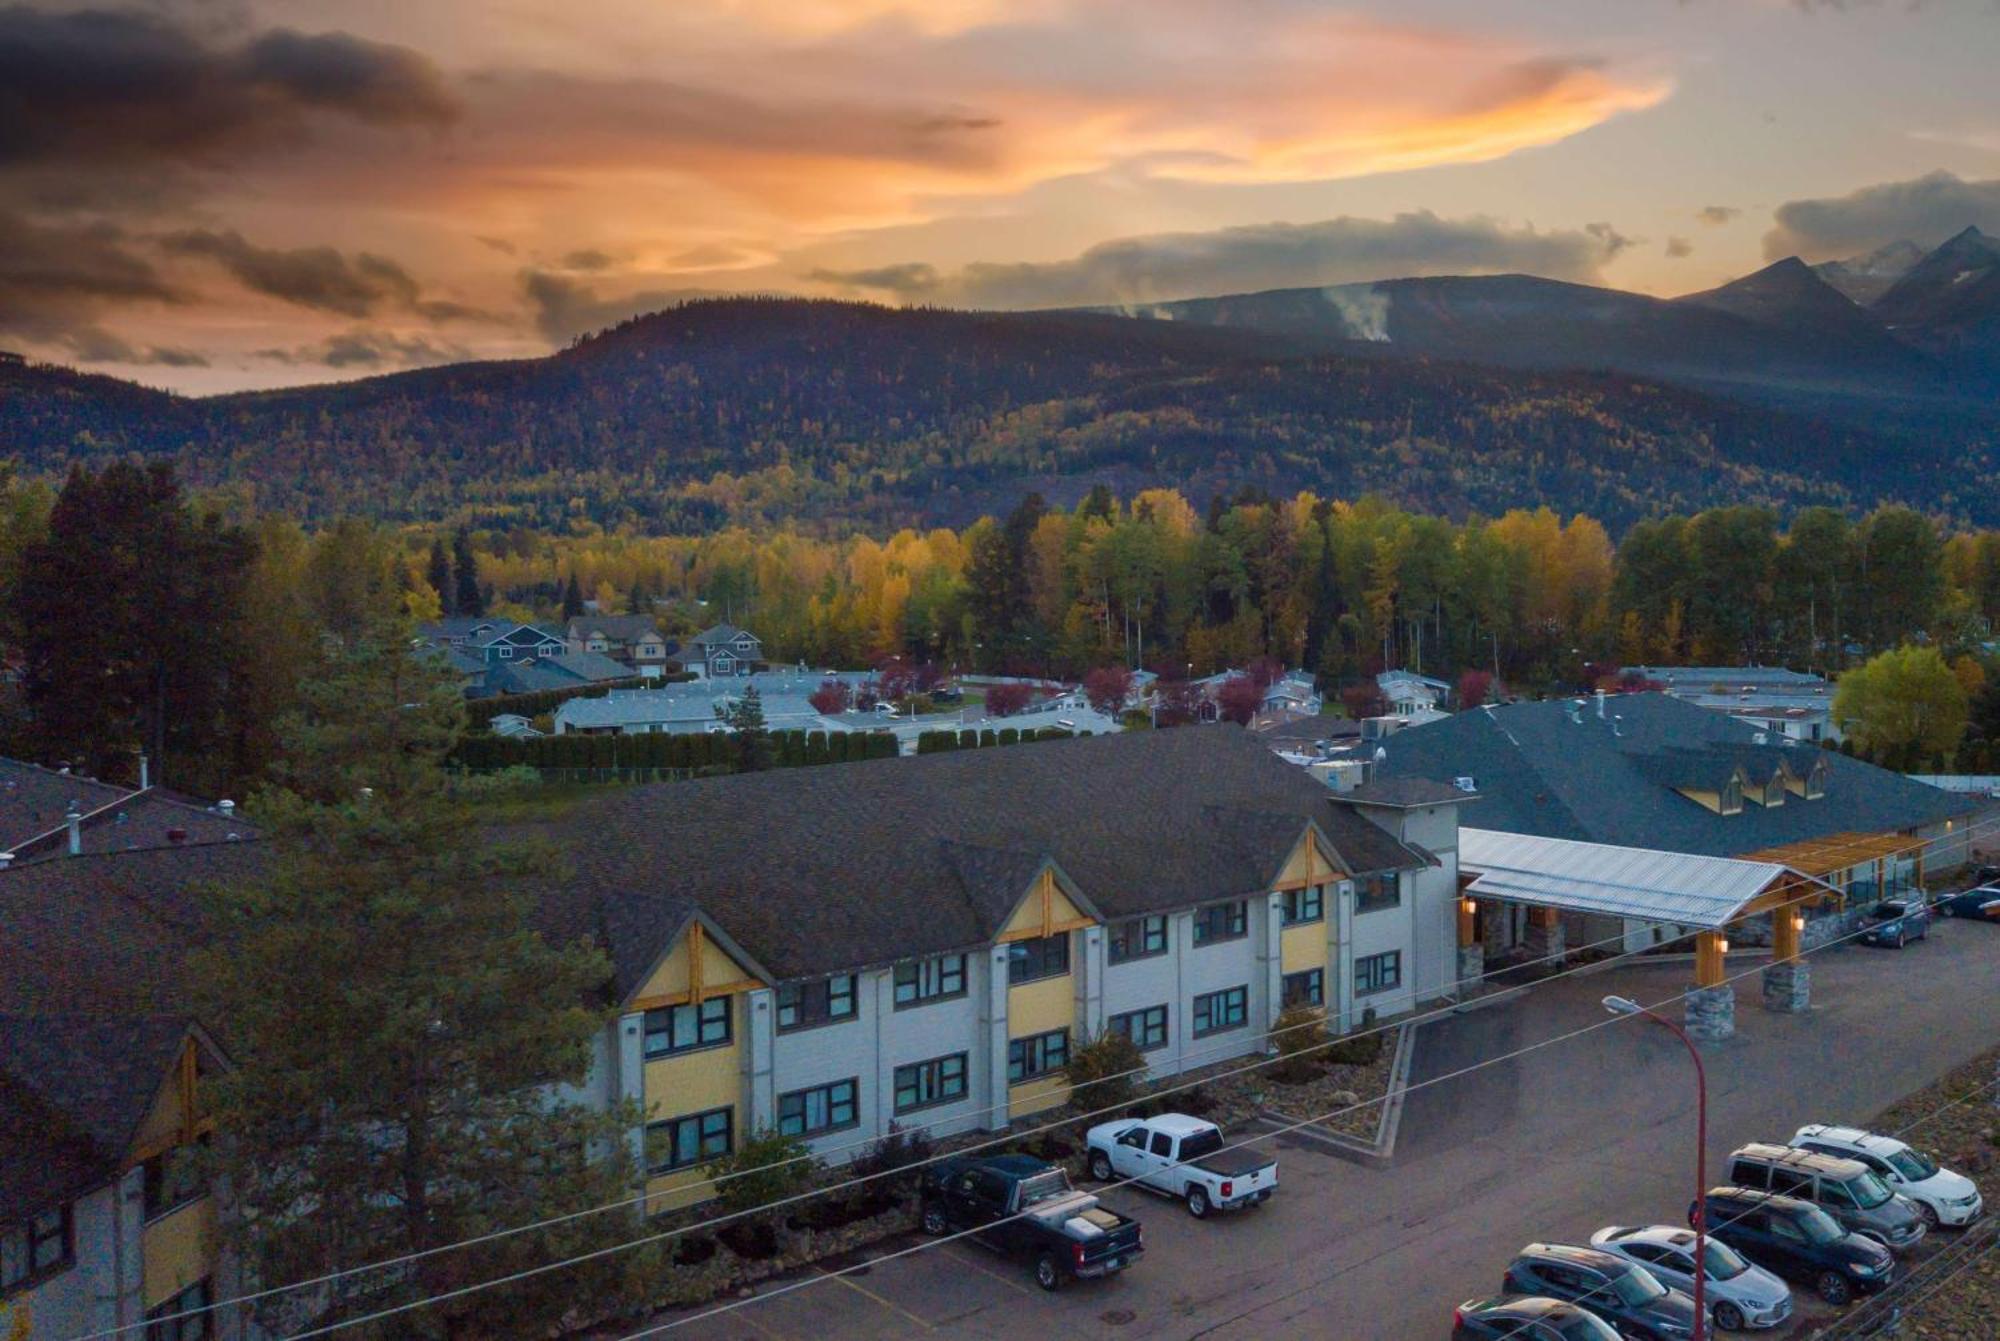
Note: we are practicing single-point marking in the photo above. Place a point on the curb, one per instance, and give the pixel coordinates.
(1377, 1154)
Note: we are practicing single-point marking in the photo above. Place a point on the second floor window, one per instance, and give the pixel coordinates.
(802, 1005)
(1044, 957)
(923, 980)
(1373, 892)
(1040, 1055)
(1221, 922)
(672, 1029)
(1305, 905)
(172, 1180)
(1137, 938)
(35, 1248)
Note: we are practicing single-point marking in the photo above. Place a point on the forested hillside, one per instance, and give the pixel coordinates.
(842, 415)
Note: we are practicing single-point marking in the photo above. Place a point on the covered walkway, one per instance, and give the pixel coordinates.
(1553, 876)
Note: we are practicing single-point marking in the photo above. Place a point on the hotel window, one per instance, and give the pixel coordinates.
(805, 1005)
(673, 1029)
(1036, 1056)
(1146, 1028)
(1378, 973)
(923, 980)
(36, 1248)
(1305, 905)
(684, 1142)
(940, 1080)
(823, 1108)
(1372, 893)
(1217, 1012)
(163, 1325)
(173, 1179)
(1305, 989)
(1221, 922)
(1044, 957)
(1138, 938)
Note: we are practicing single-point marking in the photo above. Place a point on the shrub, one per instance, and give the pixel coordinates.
(1358, 1050)
(1300, 1035)
(507, 784)
(764, 1168)
(1104, 1073)
(898, 1149)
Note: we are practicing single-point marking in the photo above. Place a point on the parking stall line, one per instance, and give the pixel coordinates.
(963, 1259)
(867, 1293)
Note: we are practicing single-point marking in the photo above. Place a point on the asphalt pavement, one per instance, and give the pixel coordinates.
(1550, 1145)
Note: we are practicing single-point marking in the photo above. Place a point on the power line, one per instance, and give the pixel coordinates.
(1008, 1137)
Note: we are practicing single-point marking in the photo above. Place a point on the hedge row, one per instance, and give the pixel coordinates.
(480, 712)
(939, 742)
(789, 749)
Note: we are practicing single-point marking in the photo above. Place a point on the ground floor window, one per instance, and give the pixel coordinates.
(822, 1108)
(940, 1080)
(1037, 1055)
(1306, 989)
(162, 1324)
(685, 1142)
(1146, 1028)
(1216, 1012)
(1378, 973)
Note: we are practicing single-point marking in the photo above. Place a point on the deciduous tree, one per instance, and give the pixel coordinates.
(1904, 708)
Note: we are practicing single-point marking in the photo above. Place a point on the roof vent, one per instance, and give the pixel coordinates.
(227, 808)
(1761, 737)
(177, 836)
(1465, 784)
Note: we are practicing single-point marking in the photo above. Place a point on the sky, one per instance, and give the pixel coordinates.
(214, 195)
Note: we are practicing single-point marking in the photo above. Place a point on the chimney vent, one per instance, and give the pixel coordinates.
(75, 821)
(145, 772)
(1600, 703)
(6, 860)
(227, 808)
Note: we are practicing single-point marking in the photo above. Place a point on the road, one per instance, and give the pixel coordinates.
(1551, 1145)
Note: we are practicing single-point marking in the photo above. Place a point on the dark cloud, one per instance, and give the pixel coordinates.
(58, 280)
(320, 278)
(1262, 256)
(499, 244)
(565, 309)
(1679, 248)
(1716, 215)
(361, 348)
(1925, 210)
(589, 258)
(114, 86)
(94, 344)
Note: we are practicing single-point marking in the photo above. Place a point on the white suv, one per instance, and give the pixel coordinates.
(1943, 1197)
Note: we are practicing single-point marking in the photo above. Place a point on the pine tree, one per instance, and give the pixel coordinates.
(438, 573)
(467, 599)
(572, 601)
(395, 1095)
(746, 724)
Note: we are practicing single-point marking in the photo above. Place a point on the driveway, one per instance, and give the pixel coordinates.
(1550, 1145)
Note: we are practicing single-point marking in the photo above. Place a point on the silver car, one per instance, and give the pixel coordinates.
(1738, 1295)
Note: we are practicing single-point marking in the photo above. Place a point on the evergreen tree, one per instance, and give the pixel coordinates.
(572, 601)
(438, 573)
(467, 599)
(746, 724)
(396, 1095)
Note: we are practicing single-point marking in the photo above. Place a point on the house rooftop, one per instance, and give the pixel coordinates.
(1408, 793)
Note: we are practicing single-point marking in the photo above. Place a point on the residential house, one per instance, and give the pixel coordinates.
(723, 650)
(635, 641)
(463, 630)
(1291, 692)
(1793, 704)
(1412, 696)
(519, 642)
(542, 673)
(513, 726)
(697, 705)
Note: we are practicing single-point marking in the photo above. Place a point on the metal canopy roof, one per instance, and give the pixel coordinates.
(1682, 888)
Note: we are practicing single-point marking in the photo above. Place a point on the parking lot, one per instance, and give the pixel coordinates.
(1561, 1139)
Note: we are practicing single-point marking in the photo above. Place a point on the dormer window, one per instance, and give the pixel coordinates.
(1774, 791)
(1816, 781)
(1730, 802)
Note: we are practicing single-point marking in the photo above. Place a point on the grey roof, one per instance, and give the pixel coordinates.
(816, 870)
(721, 633)
(1404, 793)
(35, 801)
(1551, 769)
(1703, 678)
(620, 628)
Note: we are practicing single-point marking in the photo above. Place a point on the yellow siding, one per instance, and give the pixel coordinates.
(1303, 947)
(163, 1128)
(1043, 911)
(1707, 800)
(695, 1082)
(177, 1250)
(717, 967)
(672, 980)
(1037, 1007)
(1034, 1096)
(1308, 865)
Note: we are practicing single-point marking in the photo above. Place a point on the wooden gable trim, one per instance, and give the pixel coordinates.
(1048, 880)
(694, 934)
(1321, 865)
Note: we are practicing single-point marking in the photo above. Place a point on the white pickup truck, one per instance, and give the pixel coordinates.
(1182, 1157)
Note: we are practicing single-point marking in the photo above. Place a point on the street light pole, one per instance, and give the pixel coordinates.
(1619, 1005)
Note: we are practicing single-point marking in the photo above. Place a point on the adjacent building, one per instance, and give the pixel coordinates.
(634, 641)
(723, 650)
(1793, 704)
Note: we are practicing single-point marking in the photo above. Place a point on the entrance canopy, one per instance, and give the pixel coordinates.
(1838, 852)
(1675, 887)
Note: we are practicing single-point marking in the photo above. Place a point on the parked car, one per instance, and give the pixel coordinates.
(1941, 1196)
(1739, 1296)
(1184, 1158)
(1846, 1189)
(1799, 1241)
(1529, 1318)
(1981, 902)
(1025, 1208)
(1896, 922)
(1606, 1284)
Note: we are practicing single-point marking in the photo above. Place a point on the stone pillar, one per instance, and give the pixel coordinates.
(1711, 1013)
(1788, 987)
(1471, 966)
(1545, 940)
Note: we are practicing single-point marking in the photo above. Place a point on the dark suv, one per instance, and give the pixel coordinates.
(1798, 1241)
(1845, 1189)
(1614, 1289)
(1527, 1320)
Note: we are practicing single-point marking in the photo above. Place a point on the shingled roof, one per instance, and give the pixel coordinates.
(818, 870)
(1562, 771)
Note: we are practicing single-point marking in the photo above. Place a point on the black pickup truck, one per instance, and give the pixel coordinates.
(1027, 1209)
